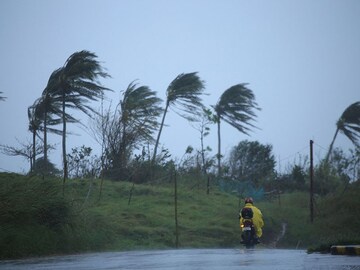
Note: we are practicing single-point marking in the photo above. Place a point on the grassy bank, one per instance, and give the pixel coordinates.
(335, 221)
(36, 219)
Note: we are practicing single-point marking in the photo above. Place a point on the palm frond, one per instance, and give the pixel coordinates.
(184, 94)
(237, 106)
(349, 123)
(140, 109)
(80, 103)
(34, 120)
(52, 88)
(140, 102)
(2, 98)
(84, 66)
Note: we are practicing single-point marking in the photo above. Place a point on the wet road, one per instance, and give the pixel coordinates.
(192, 259)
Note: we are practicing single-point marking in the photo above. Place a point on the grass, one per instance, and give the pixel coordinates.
(36, 220)
(149, 219)
(293, 210)
(337, 220)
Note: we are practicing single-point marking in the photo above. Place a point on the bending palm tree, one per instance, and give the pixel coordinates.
(77, 84)
(137, 121)
(140, 110)
(46, 107)
(236, 107)
(349, 124)
(34, 127)
(50, 105)
(183, 92)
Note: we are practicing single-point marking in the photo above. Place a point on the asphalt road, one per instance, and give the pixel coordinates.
(192, 259)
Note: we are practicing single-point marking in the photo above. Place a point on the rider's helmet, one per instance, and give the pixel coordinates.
(249, 200)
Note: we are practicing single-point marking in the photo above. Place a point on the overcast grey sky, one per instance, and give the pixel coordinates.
(300, 58)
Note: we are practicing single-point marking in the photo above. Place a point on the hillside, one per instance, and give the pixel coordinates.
(36, 219)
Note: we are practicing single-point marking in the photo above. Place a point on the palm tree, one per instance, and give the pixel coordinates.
(37, 122)
(139, 112)
(41, 115)
(47, 107)
(77, 84)
(2, 98)
(134, 123)
(184, 94)
(236, 107)
(34, 128)
(349, 124)
(48, 111)
(50, 105)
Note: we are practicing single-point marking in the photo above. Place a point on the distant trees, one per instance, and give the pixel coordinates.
(134, 121)
(45, 167)
(236, 106)
(251, 161)
(299, 176)
(25, 150)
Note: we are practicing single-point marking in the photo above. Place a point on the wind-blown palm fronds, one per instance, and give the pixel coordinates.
(184, 96)
(76, 83)
(349, 125)
(48, 110)
(139, 112)
(140, 109)
(236, 107)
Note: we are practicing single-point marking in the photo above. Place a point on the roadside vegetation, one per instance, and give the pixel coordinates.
(37, 220)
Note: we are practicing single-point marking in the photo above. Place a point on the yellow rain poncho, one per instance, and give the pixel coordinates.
(257, 219)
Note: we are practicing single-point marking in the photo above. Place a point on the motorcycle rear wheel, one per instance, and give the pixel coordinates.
(248, 239)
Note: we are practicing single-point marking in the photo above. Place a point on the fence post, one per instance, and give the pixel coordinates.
(208, 185)
(311, 183)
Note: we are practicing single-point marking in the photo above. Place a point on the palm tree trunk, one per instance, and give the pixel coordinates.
(202, 152)
(64, 142)
(219, 147)
(159, 134)
(45, 142)
(331, 147)
(33, 151)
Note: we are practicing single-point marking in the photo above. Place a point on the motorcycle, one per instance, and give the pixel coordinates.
(248, 235)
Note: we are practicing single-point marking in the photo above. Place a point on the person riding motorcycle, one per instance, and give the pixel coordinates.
(257, 217)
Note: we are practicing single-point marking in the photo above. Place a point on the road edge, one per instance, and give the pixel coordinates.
(345, 250)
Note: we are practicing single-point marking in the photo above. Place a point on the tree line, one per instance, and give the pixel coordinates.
(134, 122)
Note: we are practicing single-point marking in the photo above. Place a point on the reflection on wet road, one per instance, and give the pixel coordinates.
(193, 259)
